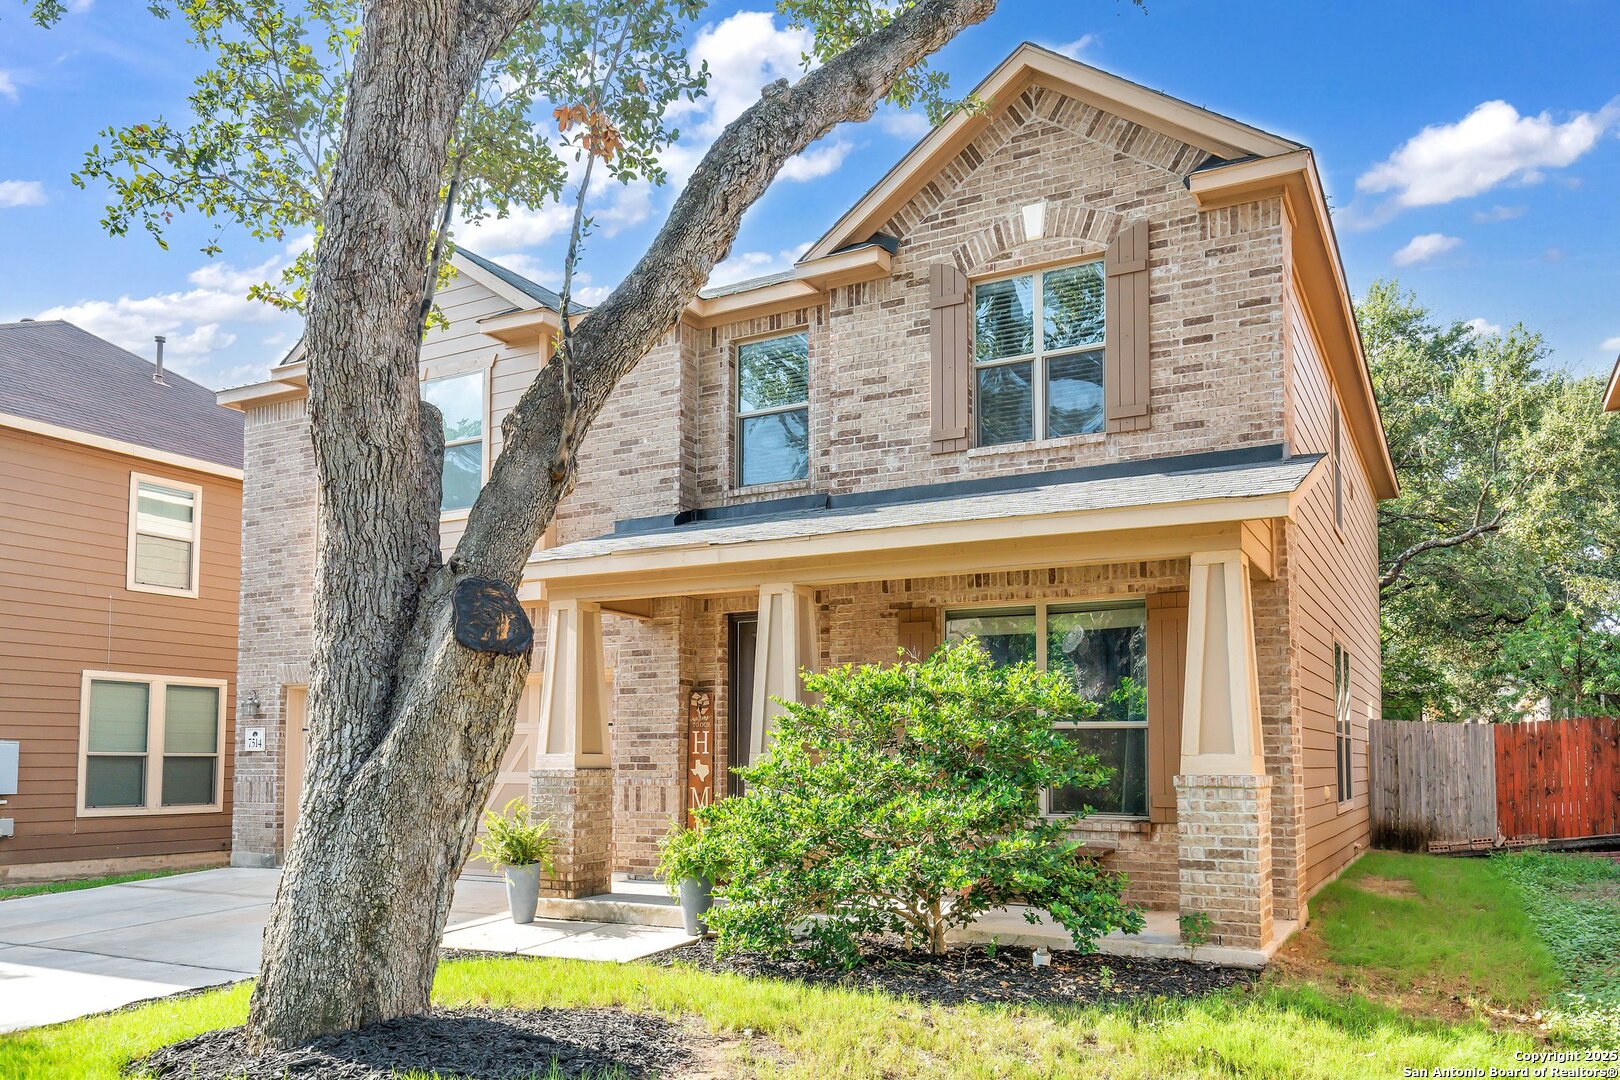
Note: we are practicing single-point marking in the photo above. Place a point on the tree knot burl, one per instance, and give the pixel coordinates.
(490, 619)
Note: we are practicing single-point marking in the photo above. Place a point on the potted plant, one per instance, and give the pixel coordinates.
(690, 868)
(521, 849)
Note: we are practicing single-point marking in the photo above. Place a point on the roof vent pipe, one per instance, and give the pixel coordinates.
(157, 374)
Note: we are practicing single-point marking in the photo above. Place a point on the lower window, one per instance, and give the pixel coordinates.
(1103, 648)
(1343, 742)
(150, 744)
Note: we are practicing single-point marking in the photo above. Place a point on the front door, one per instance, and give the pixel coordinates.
(295, 752)
(744, 632)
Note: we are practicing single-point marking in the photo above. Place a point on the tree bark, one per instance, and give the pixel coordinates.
(407, 726)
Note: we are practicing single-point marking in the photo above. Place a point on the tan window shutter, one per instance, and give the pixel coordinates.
(1126, 368)
(919, 632)
(950, 349)
(1166, 664)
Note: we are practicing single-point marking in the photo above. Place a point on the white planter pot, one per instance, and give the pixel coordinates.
(522, 891)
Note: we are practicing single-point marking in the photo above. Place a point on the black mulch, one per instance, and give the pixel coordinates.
(974, 974)
(477, 1044)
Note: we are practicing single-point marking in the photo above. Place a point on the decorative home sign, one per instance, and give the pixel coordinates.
(699, 753)
(253, 739)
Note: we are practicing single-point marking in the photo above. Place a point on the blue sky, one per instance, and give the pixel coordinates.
(1470, 149)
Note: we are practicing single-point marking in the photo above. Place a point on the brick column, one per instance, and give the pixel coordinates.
(579, 805)
(1224, 828)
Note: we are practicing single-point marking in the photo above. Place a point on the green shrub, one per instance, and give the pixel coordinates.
(682, 855)
(906, 799)
(511, 839)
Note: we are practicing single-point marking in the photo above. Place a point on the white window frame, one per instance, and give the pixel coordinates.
(1037, 359)
(156, 704)
(738, 415)
(1041, 609)
(1343, 735)
(195, 539)
(439, 374)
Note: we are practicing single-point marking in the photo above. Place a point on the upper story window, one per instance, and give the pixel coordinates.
(1038, 354)
(1343, 743)
(165, 518)
(773, 410)
(150, 744)
(1103, 648)
(461, 399)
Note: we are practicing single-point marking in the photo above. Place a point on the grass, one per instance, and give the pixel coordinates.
(1391, 943)
(12, 892)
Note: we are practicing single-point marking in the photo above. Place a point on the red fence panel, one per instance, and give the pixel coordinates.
(1558, 779)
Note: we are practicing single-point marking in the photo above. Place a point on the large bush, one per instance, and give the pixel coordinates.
(906, 799)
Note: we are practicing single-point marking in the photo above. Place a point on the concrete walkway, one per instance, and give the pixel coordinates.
(66, 955)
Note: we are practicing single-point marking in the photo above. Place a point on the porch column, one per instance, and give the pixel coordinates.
(786, 644)
(572, 782)
(1223, 795)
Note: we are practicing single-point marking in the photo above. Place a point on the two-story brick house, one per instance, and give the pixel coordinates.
(120, 529)
(1079, 376)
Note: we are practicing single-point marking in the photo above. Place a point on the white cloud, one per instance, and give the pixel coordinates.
(1073, 49)
(816, 162)
(1480, 327)
(909, 124)
(1420, 249)
(21, 193)
(1493, 144)
(749, 264)
(521, 228)
(8, 86)
(1611, 344)
(1498, 213)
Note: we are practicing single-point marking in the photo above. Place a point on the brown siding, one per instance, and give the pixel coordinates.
(64, 608)
(1334, 578)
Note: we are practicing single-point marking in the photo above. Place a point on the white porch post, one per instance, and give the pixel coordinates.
(786, 644)
(572, 782)
(1223, 795)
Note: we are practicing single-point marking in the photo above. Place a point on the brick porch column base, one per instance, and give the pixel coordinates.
(579, 805)
(1224, 829)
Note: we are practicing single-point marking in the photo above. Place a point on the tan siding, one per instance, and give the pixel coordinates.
(64, 608)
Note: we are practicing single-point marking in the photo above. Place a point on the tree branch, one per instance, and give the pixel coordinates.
(1398, 564)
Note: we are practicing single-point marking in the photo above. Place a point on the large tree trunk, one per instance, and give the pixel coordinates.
(407, 726)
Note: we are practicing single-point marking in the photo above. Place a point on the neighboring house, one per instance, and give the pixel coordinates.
(120, 536)
(1611, 397)
(1079, 376)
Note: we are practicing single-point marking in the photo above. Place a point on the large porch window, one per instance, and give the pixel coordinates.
(1103, 648)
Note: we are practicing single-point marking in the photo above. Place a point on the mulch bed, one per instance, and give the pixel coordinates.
(476, 1044)
(972, 974)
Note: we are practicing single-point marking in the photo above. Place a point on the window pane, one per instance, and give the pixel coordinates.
(1005, 404)
(159, 504)
(1125, 751)
(463, 475)
(1074, 394)
(1009, 639)
(1004, 318)
(1105, 652)
(114, 781)
(774, 447)
(190, 720)
(163, 562)
(1072, 306)
(461, 399)
(118, 716)
(188, 781)
(774, 373)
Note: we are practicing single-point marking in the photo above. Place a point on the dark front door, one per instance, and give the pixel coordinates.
(744, 631)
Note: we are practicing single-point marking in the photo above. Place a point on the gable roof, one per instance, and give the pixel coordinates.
(1611, 399)
(1031, 65)
(62, 378)
(529, 290)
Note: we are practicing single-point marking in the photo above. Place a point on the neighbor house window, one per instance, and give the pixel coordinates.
(1341, 721)
(164, 526)
(461, 399)
(1038, 354)
(150, 744)
(773, 410)
(1103, 649)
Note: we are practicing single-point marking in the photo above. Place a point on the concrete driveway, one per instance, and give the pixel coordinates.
(66, 955)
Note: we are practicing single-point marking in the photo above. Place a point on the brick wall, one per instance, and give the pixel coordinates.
(1225, 865)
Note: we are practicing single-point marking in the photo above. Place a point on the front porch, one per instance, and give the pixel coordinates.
(666, 650)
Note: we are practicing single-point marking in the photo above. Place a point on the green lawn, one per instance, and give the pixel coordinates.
(1463, 931)
(12, 892)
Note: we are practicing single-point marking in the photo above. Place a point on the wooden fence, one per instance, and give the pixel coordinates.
(1482, 785)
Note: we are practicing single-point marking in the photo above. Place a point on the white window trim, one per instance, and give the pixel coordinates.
(135, 481)
(156, 704)
(437, 373)
(738, 415)
(1037, 359)
(1041, 609)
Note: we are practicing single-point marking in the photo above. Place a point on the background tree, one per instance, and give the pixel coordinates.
(406, 724)
(1502, 544)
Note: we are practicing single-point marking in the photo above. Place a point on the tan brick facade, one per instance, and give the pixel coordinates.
(1225, 856)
